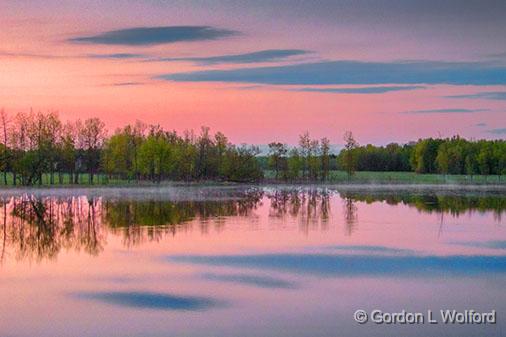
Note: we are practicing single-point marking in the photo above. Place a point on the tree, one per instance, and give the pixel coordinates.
(277, 158)
(241, 164)
(155, 156)
(52, 129)
(295, 164)
(442, 159)
(91, 136)
(325, 158)
(349, 160)
(4, 146)
(67, 150)
(423, 158)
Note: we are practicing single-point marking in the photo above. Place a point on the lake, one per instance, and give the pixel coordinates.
(248, 260)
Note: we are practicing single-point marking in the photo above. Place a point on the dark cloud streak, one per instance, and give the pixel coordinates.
(445, 111)
(253, 57)
(116, 56)
(492, 95)
(148, 36)
(355, 72)
(364, 90)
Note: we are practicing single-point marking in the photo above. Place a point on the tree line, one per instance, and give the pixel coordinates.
(33, 145)
(37, 144)
(453, 155)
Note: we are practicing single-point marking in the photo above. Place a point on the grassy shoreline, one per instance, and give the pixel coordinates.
(335, 178)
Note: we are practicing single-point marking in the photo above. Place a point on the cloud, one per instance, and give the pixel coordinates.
(116, 56)
(445, 111)
(494, 95)
(356, 265)
(363, 90)
(148, 36)
(126, 84)
(480, 124)
(149, 300)
(355, 72)
(253, 57)
(31, 55)
(500, 131)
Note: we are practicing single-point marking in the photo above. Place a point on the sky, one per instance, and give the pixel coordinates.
(262, 71)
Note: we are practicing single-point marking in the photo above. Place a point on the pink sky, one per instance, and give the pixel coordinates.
(41, 68)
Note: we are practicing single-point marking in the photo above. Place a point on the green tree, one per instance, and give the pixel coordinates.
(277, 158)
(442, 160)
(349, 159)
(295, 164)
(155, 157)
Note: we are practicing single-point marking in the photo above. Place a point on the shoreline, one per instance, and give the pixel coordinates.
(196, 190)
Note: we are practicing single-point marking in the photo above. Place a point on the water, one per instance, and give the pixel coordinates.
(248, 261)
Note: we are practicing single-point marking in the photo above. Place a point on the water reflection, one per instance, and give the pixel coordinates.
(310, 206)
(454, 204)
(37, 227)
(151, 220)
(150, 300)
(261, 281)
(357, 265)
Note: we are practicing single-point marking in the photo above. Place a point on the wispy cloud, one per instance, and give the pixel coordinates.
(445, 111)
(23, 54)
(253, 57)
(355, 72)
(126, 84)
(116, 56)
(494, 95)
(499, 131)
(363, 90)
(480, 124)
(148, 36)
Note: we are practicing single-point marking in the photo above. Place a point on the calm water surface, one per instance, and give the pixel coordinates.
(247, 261)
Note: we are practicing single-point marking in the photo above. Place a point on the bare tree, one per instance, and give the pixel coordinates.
(4, 155)
(91, 136)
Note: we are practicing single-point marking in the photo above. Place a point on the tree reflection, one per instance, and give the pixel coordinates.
(453, 204)
(37, 228)
(310, 207)
(350, 214)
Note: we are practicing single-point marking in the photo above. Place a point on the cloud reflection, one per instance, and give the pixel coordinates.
(486, 244)
(151, 300)
(356, 265)
(260, 281)
(367, 249)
